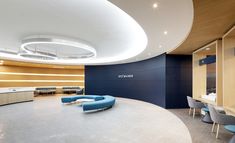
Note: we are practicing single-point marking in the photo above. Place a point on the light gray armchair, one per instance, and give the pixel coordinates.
(220, 119)
(232, 140)
(193, 104)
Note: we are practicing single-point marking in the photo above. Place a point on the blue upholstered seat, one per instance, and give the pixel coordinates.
(107, 102)
(230, 128)
(100, 102)
(69, 99)
(205, 109)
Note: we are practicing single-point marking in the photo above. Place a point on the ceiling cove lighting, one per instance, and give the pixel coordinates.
(7, 51)
(115, 37)
(136, 46)
(36, 56)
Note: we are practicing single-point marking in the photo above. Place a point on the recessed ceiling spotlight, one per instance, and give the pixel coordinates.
(160, 46)
(165, 32)
(155, 5)
(207, 49)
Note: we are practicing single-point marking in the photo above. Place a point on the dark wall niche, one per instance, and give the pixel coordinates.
(164, 80)
(178, 80)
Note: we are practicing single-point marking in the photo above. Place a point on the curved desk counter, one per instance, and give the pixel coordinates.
(15, 95)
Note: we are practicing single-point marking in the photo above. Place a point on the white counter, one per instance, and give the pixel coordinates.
(16, 89)
(16, 95)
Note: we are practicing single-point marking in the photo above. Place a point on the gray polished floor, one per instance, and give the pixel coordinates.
(200, 131)
(46, 120)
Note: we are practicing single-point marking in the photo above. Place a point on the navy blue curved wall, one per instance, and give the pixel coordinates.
(164, 80)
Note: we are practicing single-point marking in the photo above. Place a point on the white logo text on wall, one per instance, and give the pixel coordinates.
(125, 76)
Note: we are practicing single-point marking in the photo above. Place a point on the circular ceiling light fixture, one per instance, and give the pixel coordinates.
(36, 56)
(56, 48)
(6, 51)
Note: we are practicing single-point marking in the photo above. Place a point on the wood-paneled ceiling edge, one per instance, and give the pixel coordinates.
(212, 19)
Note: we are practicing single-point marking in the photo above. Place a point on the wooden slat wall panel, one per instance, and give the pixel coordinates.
(28, 84)
(30, 77)
(229, 69)
(40, 70)
(40, 65)
(52, 76)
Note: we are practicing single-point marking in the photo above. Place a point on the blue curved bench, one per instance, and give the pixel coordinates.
(107, 102)
(69, 99)
(230, 128)
(100, 102)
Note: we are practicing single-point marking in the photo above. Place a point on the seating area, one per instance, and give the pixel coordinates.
(45, 90)
(72, 89)
(194, 105)
(215, 116)
(117, 71)
(58, 90)
(98, 103)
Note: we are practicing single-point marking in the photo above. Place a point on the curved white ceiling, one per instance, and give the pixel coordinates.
(115, 35)
(173, 16)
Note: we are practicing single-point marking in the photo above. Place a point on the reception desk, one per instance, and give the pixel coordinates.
(16, 95)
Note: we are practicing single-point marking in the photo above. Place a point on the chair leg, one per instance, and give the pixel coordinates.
(194, 110)
(189, 111)
(213, 127)
(217, 133)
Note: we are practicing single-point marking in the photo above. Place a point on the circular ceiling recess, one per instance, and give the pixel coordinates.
(94, 32)
(54, 48)
(36, 56)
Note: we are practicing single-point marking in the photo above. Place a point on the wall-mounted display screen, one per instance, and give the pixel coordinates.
(208, 60)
